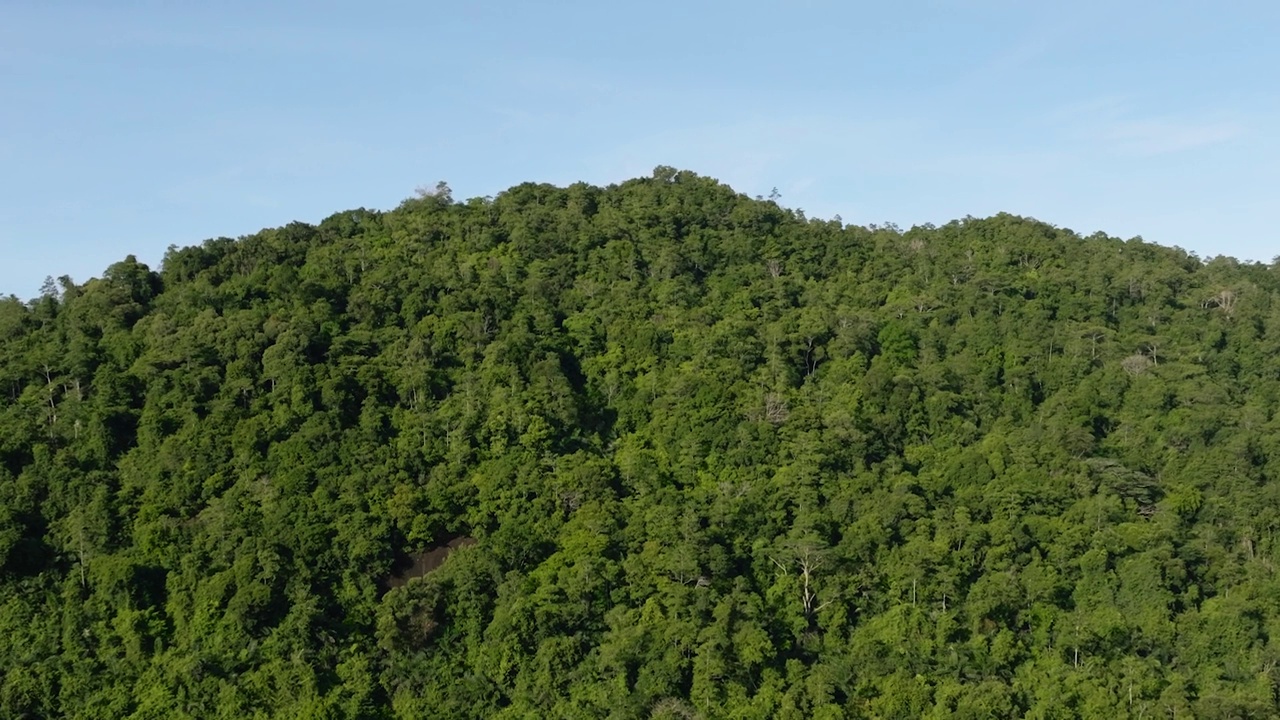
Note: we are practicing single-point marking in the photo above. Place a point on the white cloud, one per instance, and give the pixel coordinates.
(1114, 125)
(1162, 136)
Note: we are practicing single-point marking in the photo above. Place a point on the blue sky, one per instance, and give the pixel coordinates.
(130, 125)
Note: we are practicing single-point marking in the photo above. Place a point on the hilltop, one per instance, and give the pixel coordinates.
(656, 449)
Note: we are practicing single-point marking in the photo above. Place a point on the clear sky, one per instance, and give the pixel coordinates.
(130, 125)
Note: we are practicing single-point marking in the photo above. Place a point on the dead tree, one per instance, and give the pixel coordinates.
(803, 559)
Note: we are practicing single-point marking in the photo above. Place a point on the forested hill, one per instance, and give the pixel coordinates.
(696, 455)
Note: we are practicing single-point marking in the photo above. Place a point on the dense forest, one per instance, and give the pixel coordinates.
(653, 450)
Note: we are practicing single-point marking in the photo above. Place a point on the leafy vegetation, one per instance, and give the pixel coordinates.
(717, 459)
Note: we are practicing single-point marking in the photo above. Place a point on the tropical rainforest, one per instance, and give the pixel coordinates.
(652, 450)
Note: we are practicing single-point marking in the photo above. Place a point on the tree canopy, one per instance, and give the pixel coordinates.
(653, 450)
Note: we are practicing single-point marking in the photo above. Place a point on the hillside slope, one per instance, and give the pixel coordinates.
(717, 460)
